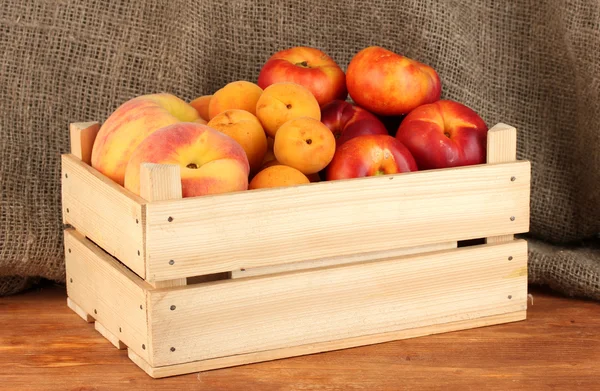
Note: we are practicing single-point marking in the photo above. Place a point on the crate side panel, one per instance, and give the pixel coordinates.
(272, 312)
(108, 291)
(104, 212)
(257, 228)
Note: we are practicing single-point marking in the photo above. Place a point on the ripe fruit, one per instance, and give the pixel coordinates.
(347, 121)
(211, 162)
(130, 124)
(246, 129)
(308, 67)
(241, 95)
(277, 176)
(387, 83)
(201, 105)
(281, 102)
(305, 144)
(370, 155)
(444, 134)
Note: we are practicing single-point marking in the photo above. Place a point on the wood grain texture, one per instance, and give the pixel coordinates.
(82, 137)
(501, 148)
(79, 311)
(262, 313)
(47, 346)
(159, 182)
(117, 343)
(108, 291)
(361, 257)
(105, 212)
(264, 227)
(267, 355)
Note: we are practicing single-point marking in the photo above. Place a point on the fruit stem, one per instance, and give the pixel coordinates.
(303, 64)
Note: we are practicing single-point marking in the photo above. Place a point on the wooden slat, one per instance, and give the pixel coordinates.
(110, 336)
(105, 212)
(362, 257)
(212, 234)
(255, 314)
(82, 136)
(268, 355)
(502, 148)
(108, 291)
(79, 311)
(160, 182)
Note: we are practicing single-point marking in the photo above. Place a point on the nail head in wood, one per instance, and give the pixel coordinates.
(512, 218)
(95, 312)
(137, 221)
(67, 210)
(66, 175)
(510, 258)
(143, 346)
(139, 253)
(173, 308)
(509, 297)
(69, 251)
(141, 307)
(513, 178)
(170, 219)
(172, 349)
(70, 280)
(171, 262)
(120, 331)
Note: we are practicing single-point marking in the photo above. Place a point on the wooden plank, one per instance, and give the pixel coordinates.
(294, 351)
(502, 148)
(83, 135)
(255, 314)
(105, 212)
(79, 311)
(108, 291)
(211, 234)
(110, 336)
(160, 182)
(362, 257)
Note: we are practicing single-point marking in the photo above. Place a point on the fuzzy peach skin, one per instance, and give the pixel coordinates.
(277, 176)
(281, 102)
(246, 129)
(305, 144)
(241, 95)
(309, 67)
(201, 105)
(387, 83)
(130, 124)
(211, 162)
(370, 155)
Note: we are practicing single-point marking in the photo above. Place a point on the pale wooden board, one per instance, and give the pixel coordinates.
(264, 227)
(110, 336)
(254, 314)
(501, 148)
(286, 267)
(108, 291)
(105, 212)
(79, 311)
(83, 135)
(161, 182)
(268, 355)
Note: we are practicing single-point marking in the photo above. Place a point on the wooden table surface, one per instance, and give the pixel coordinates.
(45, 346)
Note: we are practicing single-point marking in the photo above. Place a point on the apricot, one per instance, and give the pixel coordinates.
(281, 102)
(201, 106)
(241, 95)
(246, 129)
(277, 176)
(305, 144)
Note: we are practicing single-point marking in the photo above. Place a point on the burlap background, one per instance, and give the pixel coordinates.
(531, 64)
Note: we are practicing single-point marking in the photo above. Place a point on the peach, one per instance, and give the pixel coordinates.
(211, 162)
(246, 129)
(309, 67)
(130, 124)
(278, 176)
(241, 95)
(281, 102)
(390, 84)
(305, 144)
(201, 105)
(311, 177)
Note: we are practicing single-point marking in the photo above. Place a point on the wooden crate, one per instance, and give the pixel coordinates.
(201, 283)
